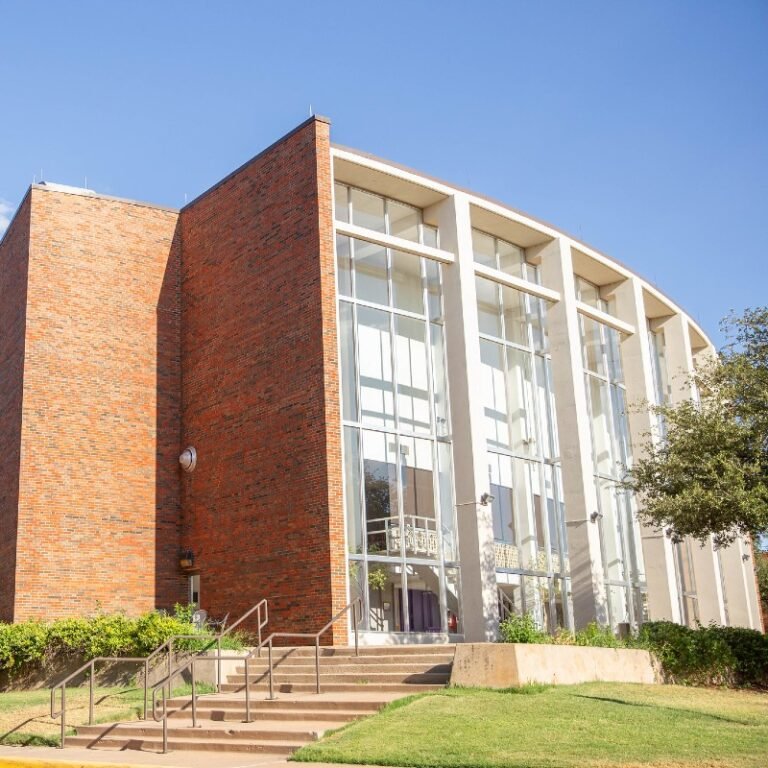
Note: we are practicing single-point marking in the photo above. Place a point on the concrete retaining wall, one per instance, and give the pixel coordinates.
(507, 665)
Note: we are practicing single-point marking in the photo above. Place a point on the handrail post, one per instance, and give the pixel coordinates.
(354, 622)
(165, 725)
(194, 697)
(146, 685)
(247, 693)
(170, 663)
(218, 665)
(271, 689)
(63, 713)
(90, 692)
(317, 663)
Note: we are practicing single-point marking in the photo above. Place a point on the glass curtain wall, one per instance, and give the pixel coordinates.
(398, 485)
(684, 574)
(624, 570)
(522, 447)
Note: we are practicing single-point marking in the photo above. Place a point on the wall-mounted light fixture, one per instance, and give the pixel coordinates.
(595, 516)
(187, 559)
(188, 459)
(485, 500)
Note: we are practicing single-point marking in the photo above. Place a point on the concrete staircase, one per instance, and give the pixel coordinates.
(352, 687)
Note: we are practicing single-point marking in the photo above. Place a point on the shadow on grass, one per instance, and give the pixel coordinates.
(682, 711)
(13, 737)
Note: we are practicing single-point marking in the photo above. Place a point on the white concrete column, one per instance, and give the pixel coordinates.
(574, 430)
(706, 568)
(470, 461)
(739, 583)
(658, 554)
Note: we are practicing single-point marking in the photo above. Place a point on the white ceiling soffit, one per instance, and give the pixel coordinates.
(383, 183)
(657, 306)
(510, 229)
(597, 270)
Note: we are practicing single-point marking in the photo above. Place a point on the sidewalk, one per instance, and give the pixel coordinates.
(72, 757)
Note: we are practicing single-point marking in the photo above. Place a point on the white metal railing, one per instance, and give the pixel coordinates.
(418, 533)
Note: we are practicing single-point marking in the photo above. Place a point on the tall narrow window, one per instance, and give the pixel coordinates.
(398, 479)
(521, 437)
(623, 566)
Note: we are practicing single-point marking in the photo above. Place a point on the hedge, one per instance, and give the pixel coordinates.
(706, 655)
(34, 644)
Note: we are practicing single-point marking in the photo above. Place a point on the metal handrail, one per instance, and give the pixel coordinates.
(92, 666)
(163, 685)
(261, 623)
(168, 644)
(357, 610)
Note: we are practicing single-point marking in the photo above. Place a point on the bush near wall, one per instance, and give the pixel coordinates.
(710, 655)
(32, 645)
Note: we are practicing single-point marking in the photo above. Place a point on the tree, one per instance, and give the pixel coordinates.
(710, 474)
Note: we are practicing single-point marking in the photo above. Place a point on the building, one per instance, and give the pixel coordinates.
(395, 389)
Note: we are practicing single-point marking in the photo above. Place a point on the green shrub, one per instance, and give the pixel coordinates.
(691, 656)
(33, 644)
(151, 630)
(522, 629)
(22, 644)
(709, 655)
(68, 637)
(749, 649)
(595, 636)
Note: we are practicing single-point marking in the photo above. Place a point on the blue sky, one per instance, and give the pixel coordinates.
(640, 127)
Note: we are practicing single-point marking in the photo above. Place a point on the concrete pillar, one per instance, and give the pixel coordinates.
(658, 554)
(739, 584)
(470, 462)
(706, 568)
(580, 496)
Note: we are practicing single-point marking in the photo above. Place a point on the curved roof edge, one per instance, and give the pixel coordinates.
(445, 187)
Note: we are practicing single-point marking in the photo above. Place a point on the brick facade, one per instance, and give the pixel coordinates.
(14, 263)
(263, 510)
(97, 504)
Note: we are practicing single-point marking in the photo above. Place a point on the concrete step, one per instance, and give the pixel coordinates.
(364, 651)
(185, 745)
(310, 703)
(333, 667)
(363, 658)
(330, 718)
(205, 731)
(367, 678)
(334, 687)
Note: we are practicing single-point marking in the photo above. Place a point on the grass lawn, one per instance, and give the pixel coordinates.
(595, 725)
(25, 715)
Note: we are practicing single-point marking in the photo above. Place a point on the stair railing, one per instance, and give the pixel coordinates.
(262, 611)
(164, 685)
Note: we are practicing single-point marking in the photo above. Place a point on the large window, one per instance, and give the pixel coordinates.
(657, 348)
(498, 254)
(624, 570)
(397, 455)
(684, 574)
(521, 438)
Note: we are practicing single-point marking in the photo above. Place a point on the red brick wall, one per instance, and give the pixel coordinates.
(263, 509)
(14, 261)
(98, 514)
